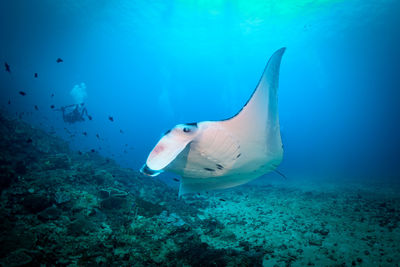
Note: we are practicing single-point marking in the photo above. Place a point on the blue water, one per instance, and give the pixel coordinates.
(153, 64)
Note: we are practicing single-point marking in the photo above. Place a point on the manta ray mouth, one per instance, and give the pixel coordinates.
(149, 172)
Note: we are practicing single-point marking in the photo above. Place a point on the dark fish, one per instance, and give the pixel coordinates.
(221, 199)
(84, 133)
(29, 141)
(176, 179)
(89, 117)
(126, 144)
(9, 101)
(281, 174)
(80, 152)
(36, 75)
(121, 131)
(52, 95)
(59, 60)
(98, 136)
(111, 118)
(8, 69)
(52, 106)
(36, 107)
(92, 150)
(22, 93)
(125, 151)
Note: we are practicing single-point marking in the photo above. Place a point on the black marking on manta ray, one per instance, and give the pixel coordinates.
(167, 132)
(219, 166)
(284, 49)
(209, 169)
(191, 124)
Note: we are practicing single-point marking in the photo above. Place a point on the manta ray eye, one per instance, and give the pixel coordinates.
(186, 130)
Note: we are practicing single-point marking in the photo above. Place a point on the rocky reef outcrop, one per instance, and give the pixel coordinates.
(64, 208)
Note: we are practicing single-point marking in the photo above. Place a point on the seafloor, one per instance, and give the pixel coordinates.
(64, 208)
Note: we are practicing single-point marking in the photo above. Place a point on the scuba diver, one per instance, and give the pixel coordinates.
(75, 115)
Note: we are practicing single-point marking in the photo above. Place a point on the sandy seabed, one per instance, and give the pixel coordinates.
(321, 223)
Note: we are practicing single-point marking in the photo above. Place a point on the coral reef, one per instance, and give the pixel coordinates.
(60, 207)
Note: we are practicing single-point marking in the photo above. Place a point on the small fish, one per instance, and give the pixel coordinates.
(80, 152)
(84, 133)
(176, 179)
(36, 107)
(52, 106)
(89, 117)
(121, 131)
(126, 144)
(9, 101)
(111, 118)
(125, 151)
(92, 150)
(8, 69)
(22, 93)
(52, 95)
(35, 75)
(98, 136)
(221, 199)
(29, 141)
(59, 60)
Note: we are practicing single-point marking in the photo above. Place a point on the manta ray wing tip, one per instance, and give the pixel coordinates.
(281, 50)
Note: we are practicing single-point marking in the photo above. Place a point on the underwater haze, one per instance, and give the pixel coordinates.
(152, 65)
(141, 67)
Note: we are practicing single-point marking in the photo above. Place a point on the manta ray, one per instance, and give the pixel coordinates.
(222, 154)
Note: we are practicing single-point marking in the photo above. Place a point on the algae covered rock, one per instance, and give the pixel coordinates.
(57, 161)
(112, 203)
(51, 213)
(61, 197)
(147, 208)
(81, 226)
(112, 198)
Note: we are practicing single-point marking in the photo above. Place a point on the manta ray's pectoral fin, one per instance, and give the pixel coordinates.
(258, 122)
